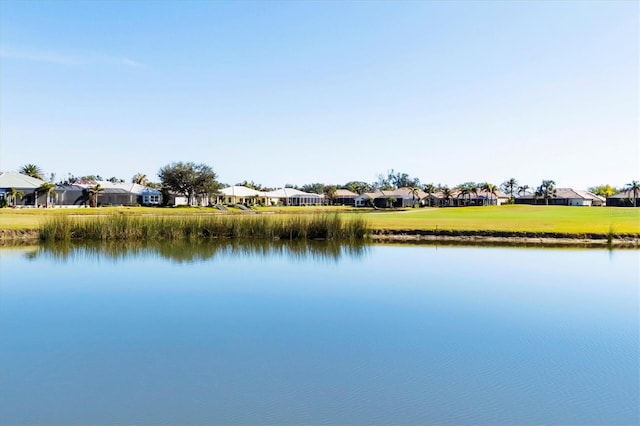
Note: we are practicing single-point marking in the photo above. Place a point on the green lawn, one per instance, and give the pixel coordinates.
(560, 219)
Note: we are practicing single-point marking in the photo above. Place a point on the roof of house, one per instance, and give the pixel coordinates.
(370, 195)
(624, 194)
(241, 191)
(18, 181)
(590, 195)
(571, 193)
(285, 193)
(345, 193)
(133, 188)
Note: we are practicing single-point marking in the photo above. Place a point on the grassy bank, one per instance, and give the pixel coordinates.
(559, 220)
(516, 219)
(117, 227)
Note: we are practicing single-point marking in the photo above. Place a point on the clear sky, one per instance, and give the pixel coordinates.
(324, 91)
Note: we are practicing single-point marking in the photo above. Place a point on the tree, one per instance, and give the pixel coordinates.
(414, 191)
(94, 192)
(189, 179)
(313, 188)
(14, 194)
(463, 191)
(46, 188)
(447, 194)
(430, 189)
(633, 188)
(490, 189)
(393, 180)
(32, 170)
(140, 179)
(510, 186)
(252, 185)
(604, 190)
(546, 190)
(330, 193)
(359, 187)
(473, 190)
(523, 190)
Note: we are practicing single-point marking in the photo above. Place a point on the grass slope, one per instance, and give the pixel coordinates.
(554, 219)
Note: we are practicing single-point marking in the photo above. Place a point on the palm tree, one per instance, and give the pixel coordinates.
(46, 188)
(414, 191)
(473, 189)
(14, 194)
(491, 190)
(447, 195)
(430, 189)
(509, 186)
(463, 191)
(32, 170)
(546, 190)
(523, 190)
(633, 188)
(94, 191)
(140, 179)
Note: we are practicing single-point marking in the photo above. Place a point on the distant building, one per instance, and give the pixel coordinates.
(25, 184)
(344, 197)
(565, 197)
(112, 194)
(623, 199)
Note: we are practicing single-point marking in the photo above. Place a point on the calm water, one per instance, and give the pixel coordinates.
(202, 334)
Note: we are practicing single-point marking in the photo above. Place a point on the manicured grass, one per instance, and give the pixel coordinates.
(554, 219)
(515, 218)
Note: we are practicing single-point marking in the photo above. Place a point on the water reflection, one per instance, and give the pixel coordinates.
(201, 250)
(262, 333)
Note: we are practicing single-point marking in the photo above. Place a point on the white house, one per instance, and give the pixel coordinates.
(23, 183)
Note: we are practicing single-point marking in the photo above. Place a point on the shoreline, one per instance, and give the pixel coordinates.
(414, 236)
(548, 239)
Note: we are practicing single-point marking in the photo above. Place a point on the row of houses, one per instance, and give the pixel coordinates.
(122, 194)
(77, 194)
(404, 197)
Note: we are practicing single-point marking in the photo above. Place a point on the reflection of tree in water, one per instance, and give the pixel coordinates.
(200, 250)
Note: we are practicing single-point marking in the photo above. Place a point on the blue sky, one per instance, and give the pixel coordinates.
(301, 92)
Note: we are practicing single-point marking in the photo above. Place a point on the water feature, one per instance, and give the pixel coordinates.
(206, 333)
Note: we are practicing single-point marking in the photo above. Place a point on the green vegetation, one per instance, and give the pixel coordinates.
(515, 218)
(510, 218)
(32, 170)
(116, 227)
(189, 179)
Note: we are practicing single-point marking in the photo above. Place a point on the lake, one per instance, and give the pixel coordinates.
(228, 333)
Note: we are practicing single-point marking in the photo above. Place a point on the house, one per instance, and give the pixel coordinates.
(397, 198)
(344, 197)
(112, 194)
(624, 199)
(366, 199)
(293, 197)
(241, 195)
(564, 197)
(71, 195)
(26, 185)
